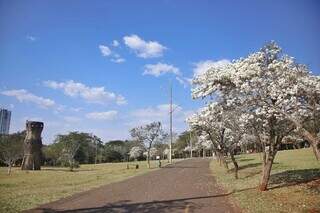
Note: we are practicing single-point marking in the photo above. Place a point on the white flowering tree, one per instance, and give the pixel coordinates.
(204, 144)
(235, 130)
(304, 110)
(153, 153)
(136, 152)
(209, 122)
(203, 123)
(273, 91)
(248, 140)
(147, 135)
(166, 152)
(221, 125)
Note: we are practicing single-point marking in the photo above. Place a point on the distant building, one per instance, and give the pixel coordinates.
(5, 116)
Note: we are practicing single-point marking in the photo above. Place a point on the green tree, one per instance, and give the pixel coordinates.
(112, 156)
(89, 149)
(147, 135)
(52, 153)
(183, 141)
(70, 146)
(11, 148)
(117, 149)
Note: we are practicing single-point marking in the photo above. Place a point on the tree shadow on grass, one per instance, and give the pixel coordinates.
(251, 174)
(243, 190)
(125, 206)
(294, 177)
(251, 165)
(246, 159)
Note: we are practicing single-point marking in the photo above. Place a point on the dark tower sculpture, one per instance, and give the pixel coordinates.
(32, 146)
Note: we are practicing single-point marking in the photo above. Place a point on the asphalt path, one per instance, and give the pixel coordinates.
(187, 186)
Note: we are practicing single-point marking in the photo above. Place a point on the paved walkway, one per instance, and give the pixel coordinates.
(186, 186)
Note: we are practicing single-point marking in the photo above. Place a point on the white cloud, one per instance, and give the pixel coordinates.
(75, 109)
(25, 96)
(71, 119)
(183, 81)
(155, 113)
(142, 48)
(115, 43)
(160, 69)
(105, 50)
(202, 66)
(31, 38)
(90, 94)
(160, 113)
(118, 60)
(108, 115)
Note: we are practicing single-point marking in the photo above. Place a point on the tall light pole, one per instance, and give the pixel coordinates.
(93, 137)
(171, 111)
(190, 144)
(96, 156)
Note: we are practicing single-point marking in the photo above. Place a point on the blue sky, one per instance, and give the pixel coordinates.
(105, 66)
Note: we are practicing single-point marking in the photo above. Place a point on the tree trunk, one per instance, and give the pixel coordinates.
(148, 158)
(214, 155)
(266, 175)
(9, 168)
(224, 161)
(267, 168)
(236, 166)
(219, 157)
(313, 140)
(264, 158)
(316, 149)
(71, 165)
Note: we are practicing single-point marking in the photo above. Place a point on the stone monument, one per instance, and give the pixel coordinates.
(32, 146)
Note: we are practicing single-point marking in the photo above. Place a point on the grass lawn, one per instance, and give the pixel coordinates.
(294, 185)
(26, 189)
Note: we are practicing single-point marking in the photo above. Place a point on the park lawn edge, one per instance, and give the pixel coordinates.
(296, 197)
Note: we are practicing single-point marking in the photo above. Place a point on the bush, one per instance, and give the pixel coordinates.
(65, 163)
(112, 156)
